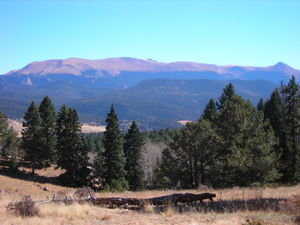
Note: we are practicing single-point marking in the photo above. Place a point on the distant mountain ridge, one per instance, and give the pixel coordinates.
(115, 66)
(153, 93)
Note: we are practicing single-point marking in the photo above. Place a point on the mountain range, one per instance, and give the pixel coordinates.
(155, 94)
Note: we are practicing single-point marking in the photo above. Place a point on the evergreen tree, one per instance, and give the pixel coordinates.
(63, 140)
(260, 105)
(48, 132)
(133, 153)
(191, 158)
(244, 138)
(31, 142)
(167, 174)
(71, 149)
(114, 160)
(291, 153)
(274, 114)
(8, 140)
(228, 93)
(273, 111)
(210, 110)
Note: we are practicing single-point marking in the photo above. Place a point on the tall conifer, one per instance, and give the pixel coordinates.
(291, 99)
(210, 110)
(31, 142)
(133, 153)
(114, 160)
(71, 149)
(227, 94)
(247, 143)
(260, 105)
(48, 132)
(273, 111)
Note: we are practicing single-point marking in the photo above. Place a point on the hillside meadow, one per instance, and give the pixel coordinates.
(236, 206)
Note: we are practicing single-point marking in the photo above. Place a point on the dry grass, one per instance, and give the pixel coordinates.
(169, 211)
(73, 211)
(86, 128)
(244, 211)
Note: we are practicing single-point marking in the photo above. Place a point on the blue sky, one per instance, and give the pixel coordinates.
(253, 32)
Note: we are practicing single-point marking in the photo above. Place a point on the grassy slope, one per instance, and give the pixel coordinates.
(13, 189)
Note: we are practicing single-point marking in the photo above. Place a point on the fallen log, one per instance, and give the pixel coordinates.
(118, 201)
(181, 198)
(161, 200)
(114, 201)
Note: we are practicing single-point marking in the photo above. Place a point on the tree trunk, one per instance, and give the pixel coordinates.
(32, 170)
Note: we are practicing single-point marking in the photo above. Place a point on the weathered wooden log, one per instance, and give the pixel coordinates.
(182, 198)
(114, 201)
(118, 201)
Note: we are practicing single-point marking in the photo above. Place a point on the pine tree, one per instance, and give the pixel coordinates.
(31, 142)
(167, 173)
(228, 93)
(274, 114)
(191, 158)
(273, 111)
(48, 132)
(63, 139)
(133, 153)
(260, 105)
(196, 149)
(210, 110)
(114, 160)
(71, 148)
(244, 138)
(291, 153)
(8, 140)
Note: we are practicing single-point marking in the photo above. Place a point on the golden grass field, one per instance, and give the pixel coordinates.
(235, 206)
(86, 128)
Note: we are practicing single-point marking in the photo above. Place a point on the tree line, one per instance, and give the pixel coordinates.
(232, 144)
(56, 138)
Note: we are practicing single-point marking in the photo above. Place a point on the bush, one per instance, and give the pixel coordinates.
(25, 207)
(117, 186)
(84, 193)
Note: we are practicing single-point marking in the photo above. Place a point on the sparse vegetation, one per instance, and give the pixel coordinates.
(25, 207)
(233, 206)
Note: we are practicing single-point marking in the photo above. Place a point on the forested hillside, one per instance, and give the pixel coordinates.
(233, 143)
(155, 104)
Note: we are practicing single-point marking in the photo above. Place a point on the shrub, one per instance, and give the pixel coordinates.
(25, 207)
(84, 193)
(117, 186)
